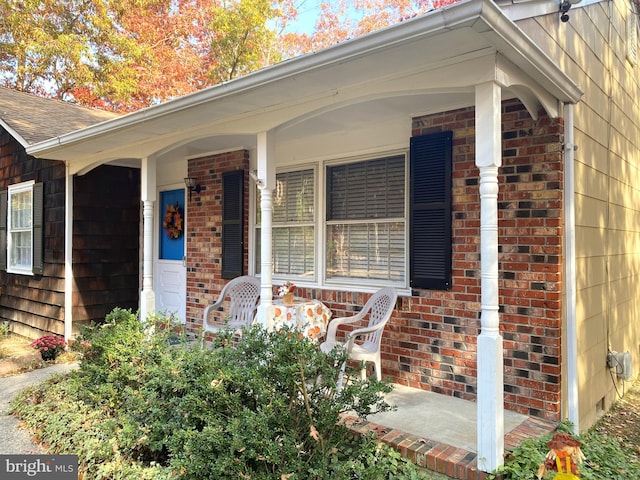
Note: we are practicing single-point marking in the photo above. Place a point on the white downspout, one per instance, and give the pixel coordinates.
(570, 266)
(68, 254)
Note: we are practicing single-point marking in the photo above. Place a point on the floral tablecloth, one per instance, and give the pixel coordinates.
(310, 316)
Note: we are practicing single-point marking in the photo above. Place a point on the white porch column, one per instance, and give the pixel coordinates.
(266, 181)
(68, 254)
(148, 191)
(490, 357)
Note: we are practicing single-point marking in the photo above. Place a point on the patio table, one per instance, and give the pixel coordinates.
(309, 315)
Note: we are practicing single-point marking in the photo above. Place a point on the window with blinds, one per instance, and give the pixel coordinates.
(21, 228)
(365, 224)
(293, 232)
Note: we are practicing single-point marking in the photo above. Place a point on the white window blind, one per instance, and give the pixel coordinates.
(293, 232)
(366, 220)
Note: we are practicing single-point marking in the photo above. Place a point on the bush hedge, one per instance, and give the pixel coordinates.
(145, 404)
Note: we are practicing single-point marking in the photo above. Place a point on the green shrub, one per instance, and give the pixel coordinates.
(146, 404)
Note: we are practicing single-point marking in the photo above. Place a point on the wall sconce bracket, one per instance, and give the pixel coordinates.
(192, 185)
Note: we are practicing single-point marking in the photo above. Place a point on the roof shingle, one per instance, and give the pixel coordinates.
(36, 119)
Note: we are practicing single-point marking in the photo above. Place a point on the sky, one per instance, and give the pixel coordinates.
(308, 12)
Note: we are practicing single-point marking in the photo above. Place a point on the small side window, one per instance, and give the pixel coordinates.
(21, 228)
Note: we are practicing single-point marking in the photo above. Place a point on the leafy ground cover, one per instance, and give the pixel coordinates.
(148, 405)
(611, 447)
(138, 408)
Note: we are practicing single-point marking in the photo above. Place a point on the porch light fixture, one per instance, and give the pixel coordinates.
(565, 5)
(192, 185)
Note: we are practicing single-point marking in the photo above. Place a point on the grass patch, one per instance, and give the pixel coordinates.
(12, 345)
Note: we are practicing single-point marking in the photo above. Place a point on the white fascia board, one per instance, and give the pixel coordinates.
(14, 134)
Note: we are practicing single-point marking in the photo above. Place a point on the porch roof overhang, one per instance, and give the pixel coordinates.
(427, 64)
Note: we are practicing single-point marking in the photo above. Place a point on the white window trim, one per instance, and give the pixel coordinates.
(320, 227)
(13, 190)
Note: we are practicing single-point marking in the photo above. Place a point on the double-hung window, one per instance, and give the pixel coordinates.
(21, 213)
(386, 220)
(365, 221)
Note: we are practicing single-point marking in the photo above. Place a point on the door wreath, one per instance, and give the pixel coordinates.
(172, 223)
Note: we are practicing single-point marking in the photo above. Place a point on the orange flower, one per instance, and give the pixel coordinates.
(313, 332)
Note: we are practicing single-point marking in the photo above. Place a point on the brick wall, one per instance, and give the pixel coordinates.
(430, 342)
(204, 231)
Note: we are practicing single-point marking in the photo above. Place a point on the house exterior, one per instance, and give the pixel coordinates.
(482, 158)
(35, 296)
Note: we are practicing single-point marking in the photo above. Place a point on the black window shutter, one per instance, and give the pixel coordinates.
(38, 229)
(232, 224)
(430, 211)
(3, 230)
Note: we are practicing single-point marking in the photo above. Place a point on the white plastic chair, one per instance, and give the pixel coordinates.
(243, 293)
(379, 308)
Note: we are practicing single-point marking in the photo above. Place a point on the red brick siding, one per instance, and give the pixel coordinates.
(430, 342)
(204, 232)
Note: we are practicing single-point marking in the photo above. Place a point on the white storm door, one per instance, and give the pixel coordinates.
(171, 272)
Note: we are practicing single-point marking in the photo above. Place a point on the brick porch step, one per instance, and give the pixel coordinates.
(454, 462)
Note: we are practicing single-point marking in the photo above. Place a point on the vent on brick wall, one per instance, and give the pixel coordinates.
(621, 363)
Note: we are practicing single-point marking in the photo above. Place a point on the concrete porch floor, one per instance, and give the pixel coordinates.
(438, 432)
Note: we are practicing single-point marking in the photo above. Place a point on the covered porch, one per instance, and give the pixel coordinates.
(353, 100)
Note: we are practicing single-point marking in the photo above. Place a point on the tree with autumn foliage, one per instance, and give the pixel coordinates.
(347, 19)
(52, 47)
(123, 55)
(127, 54)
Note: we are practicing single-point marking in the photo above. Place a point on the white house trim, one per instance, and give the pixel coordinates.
(68, 255)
